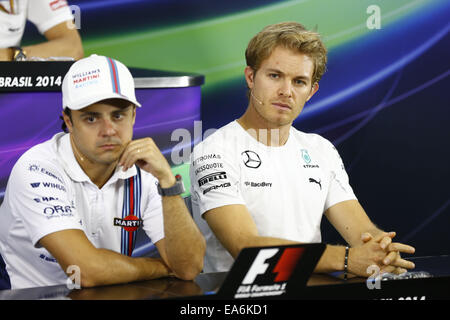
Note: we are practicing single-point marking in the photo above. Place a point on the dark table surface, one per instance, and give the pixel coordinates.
(206, 285)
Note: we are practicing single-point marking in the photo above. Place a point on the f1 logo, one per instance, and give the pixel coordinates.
(259, 266)
(284, 267)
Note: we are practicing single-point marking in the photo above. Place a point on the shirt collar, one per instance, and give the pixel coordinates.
(73, 169)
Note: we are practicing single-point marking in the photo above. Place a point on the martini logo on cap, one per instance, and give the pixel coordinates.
(129, 223)
(82, 79)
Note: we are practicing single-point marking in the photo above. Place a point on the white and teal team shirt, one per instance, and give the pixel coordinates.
(286, 189)
(48, 191)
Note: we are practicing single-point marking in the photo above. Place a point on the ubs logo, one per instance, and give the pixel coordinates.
(251, 159)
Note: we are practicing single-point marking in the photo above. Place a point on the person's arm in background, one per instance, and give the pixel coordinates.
(62, 41)
(6, 54)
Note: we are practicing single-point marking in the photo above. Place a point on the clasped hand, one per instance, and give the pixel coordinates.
(381, 252)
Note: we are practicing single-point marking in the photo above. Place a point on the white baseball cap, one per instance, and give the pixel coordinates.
(96, 78)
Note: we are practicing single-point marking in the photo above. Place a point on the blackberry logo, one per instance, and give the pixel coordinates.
(251, 159)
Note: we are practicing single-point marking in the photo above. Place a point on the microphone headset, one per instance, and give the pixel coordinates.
(257, 100)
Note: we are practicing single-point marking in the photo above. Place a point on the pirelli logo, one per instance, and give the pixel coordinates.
(212, 177)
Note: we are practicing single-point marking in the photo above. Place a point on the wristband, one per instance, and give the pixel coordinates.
(18, 54)
(346, 262)
(176, 189)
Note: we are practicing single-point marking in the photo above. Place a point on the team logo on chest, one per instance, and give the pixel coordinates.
(129, 223)
(305, 156)
(131, 213)
(251, 159)
(307, 159)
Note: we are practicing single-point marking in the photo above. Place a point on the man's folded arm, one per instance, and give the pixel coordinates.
(99, 266)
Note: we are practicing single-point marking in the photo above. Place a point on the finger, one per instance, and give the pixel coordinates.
(137, 155)
(392, 256)
(404, 264)
(129, 160)
(400, 247)
(381, 235)
(385, 242)
(125, 153)
(134, 151)
(366, 236)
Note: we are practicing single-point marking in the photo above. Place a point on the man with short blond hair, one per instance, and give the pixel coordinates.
(258, 181)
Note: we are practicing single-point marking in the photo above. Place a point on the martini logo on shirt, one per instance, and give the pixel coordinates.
(129, 223)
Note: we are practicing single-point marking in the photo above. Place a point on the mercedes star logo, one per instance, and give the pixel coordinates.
(251, 159)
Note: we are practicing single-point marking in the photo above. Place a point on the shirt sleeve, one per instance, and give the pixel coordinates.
(340, 189)
(45, 14)
(215, 177)
(38, 196)
(152, 216)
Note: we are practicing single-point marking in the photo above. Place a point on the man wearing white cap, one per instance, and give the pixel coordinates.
(74, 203)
